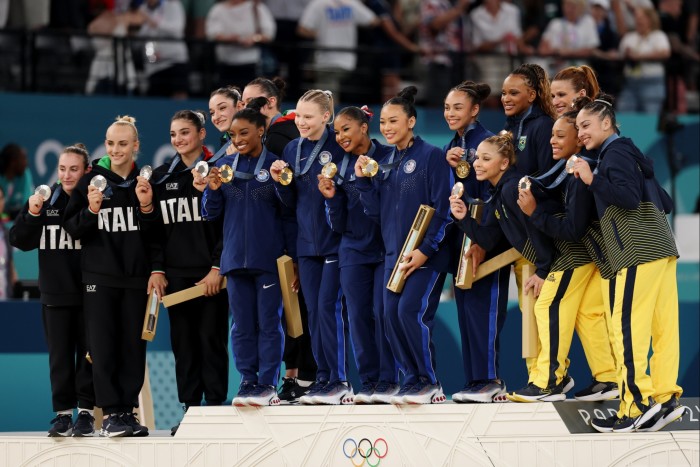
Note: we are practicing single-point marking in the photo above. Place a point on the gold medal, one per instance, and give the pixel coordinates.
(44, 191)
(329, 170)
(462, 169)
(524, 184)
(370, 168)
(286, 176)
(458, 189)
(570, 164)
(225, 173)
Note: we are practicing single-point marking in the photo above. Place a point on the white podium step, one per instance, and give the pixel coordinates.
(439, 435)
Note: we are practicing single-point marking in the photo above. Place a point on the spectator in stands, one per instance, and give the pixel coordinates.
(165, 62)
(496, 30)
(15, 180)
(196, 14)
(573, 36)
(441, 35)
(536, 15)
(333, 23)
(644, 78)
(241, 25)
(609, 71)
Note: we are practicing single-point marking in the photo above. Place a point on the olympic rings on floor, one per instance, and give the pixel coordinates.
(366, 450)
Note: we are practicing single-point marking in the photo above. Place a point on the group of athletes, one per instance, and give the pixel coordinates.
(558, 184)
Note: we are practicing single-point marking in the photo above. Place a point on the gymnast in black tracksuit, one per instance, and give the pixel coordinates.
(116, 266)
(188, 252)
(40, 226)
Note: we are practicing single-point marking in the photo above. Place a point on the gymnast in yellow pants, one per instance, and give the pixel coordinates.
(631, 206)
(571, 295)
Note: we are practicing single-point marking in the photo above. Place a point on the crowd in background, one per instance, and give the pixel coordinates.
(645, 51)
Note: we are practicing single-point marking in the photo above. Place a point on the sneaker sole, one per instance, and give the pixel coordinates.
(397, 400)
(77, 434)
(601, 429)
(485, 398)
(346, 399)
(362, 400)
(381, 399)
(550, 398)
(665, 421)
(269, 403)
(118, 434)
(438, 398)
(641, 420)
(599, 397)
(66, 434)
(242, 402)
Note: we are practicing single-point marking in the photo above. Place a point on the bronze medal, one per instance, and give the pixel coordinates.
(524, 184)
(570, 164)
(458, 189)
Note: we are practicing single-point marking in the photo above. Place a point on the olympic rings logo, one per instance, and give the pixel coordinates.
(366, 450)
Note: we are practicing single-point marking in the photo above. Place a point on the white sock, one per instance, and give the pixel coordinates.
(65, 412)
(303, 383)
(90, 411)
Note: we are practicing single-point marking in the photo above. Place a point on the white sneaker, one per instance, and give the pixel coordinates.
(314, 390)
(336, 393)
(484, 392)
(398, 398)
(245, 390)
(364, 396)
(425, 392)
(263, 396)
(383, 392)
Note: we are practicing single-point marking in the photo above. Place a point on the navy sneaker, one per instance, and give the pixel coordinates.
(598, 391)
(114, 427)
(84, 424)
(484, 391)
(383, 392)
(263, 396)
(136, 428)
(425, 392)
(604, 425)
(335, 393)
(670, 411)
(364, 395)
(567, 384)
(313, 391)
(629, 424)
(398, 398)
(62, 425)
(534, 393)
(246, 389)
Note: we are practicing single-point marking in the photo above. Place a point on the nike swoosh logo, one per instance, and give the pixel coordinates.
(329, 261)
(266, 286)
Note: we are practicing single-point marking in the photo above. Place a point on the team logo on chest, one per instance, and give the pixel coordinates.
(171, 186)
(263, 176)
(409, 166)
(471, 155)
(522, 142)
(324, 158)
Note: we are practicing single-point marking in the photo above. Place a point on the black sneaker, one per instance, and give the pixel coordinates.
(62, 425)
(629, 424)
(84, 424)
(136, 427)
(113, 427)
(173, 430)
(290, 391)
(670, 411)
(604, 425)
(567, 384)
(598, 391)
(533, 393)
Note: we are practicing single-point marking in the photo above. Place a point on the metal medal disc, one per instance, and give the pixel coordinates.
(458, 189)
(99, 182)
(524, 184)
(225, 173)
(462, 169)
(286, 176)
(202, 168)
(44, 191)
(371, 168)
(329, 170)
(570, 164)
(146, 172)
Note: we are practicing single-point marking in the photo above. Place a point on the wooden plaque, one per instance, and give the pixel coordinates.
(290, 300)
(414, 238)
(187, 294)
(464, 277)
(150, 320)
(530, 334)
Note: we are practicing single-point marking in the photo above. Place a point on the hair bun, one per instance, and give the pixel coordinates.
(408, 93)
(200, 115)
(126, 119)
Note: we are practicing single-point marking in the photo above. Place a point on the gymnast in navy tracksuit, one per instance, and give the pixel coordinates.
(481, 310)
(254, 237)
(317, 244)
(361, 258)
(417, 173)
(40, 226)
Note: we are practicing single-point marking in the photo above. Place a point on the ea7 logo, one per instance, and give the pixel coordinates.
(90, 288)
(52, 212)
(171, 186)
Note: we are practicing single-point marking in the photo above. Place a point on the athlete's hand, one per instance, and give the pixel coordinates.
(359, 163)
(198, 182)
(477, 254)
(583, 171)
(326, 186)
(412, 261)
(144, 192)
(458, 208)
(535, 283)
(276, 169)
(159, 282)
(213, 180)
(296, 283)
(36, 202)
(527, 202)
(212, 283)
(454, 155)
(95, 198)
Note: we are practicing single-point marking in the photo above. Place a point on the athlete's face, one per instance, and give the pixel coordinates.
(310, 119)
(564, 139)
(563, 95)
(221, 110)
(516, 95)
(71, 167)
(349, 133)
(396, 126)
(489, 164)
(253, 91)
(459, 111)
(246, 137)
(185, 138)
(592, 130)
(121, 145)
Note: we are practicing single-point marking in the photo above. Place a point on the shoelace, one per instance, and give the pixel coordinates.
(367, 387)
(331, 387)
(382, 386)
(59, 417)
(317, 387)
(406, 387)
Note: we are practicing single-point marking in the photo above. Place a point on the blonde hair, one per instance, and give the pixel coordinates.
(127, 121)
(324, 99)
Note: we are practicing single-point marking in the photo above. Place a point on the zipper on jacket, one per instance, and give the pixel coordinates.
(617, 234)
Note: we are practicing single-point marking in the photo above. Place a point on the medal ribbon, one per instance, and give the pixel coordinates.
(346, 160)
(246, 175)
(312, 156)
